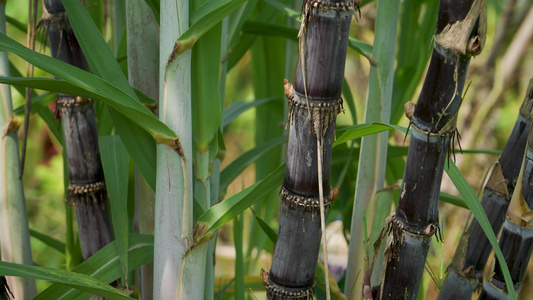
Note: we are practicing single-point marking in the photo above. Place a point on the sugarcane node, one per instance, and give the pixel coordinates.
(85, 192)
(301, 202)
(288, 293)
(66, 101)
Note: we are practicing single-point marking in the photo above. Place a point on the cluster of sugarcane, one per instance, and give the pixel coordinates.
(516, 240)
(86, 190)
(465, 273)
(314, 102)
(460, 34)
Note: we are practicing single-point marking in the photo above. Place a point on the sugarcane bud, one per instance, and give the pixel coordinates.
(289, 89)
(409, 109)
(264, 276)
(333, 193)
(14, 124)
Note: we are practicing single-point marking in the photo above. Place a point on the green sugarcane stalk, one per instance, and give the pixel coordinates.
(460, 34)
(516, 240)
(174, 273)
(143, 68)
(314, 102)
(465, 273)
(14, 231)
(87, 190)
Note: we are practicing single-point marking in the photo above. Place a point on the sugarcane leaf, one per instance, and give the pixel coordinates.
(236, 167)
(115, 161)
(472, 201)
(155, 7)
(206, 17)
(238, 107)
(272, 235)
(71, 279)
(140, 145)
(205, 71)
(127, 104)
(61, 86)
(358, 131)
(269, 29)
(223, 212)
(49, 241)
(236, 21)
(17, 24)
(348, 100)
(99, 57)
(37, 103)
(104, 266)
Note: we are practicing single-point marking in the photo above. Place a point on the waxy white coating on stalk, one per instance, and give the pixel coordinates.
(173, 227)
(14, 231)
(143, 74)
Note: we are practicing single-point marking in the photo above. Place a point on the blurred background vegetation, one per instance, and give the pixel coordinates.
(497, 81)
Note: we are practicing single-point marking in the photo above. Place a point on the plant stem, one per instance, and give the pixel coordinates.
(14, 231)
(460, 34)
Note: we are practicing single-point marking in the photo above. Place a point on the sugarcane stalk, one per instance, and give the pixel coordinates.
(174, 187)
(314, 102)
(516, 240)
(87, 190)
(460, 34)
(143, 68)
(465, 273)
(14, 231)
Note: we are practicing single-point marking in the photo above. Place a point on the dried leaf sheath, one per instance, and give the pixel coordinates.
(516, 240)
(466, 271)
(314, 103)
(433, 122)
(86, 189)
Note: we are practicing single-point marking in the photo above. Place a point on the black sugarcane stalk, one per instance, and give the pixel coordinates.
(465, 273)
(86, 190)
(516, 240)
(460, 34)
(314, 102)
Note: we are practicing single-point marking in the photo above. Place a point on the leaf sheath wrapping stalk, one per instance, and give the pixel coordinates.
(474, 249)
(516, 240)
(314, 103)
(433, 122)
(86, 189)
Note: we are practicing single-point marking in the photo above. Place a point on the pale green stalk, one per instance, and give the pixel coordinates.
(373, 155)
(14, 231)
(143, 62)
(174, 195)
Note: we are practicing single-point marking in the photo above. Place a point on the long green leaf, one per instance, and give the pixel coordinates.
(71, 279)
(127, 104)
(227, 210)
(115, 161)
(203, 19)
(100, 58)
(475, 207)
(105, 266)
(60, 86)
(49, 241)
(358, 131)
(238, 107)
(236, 167)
